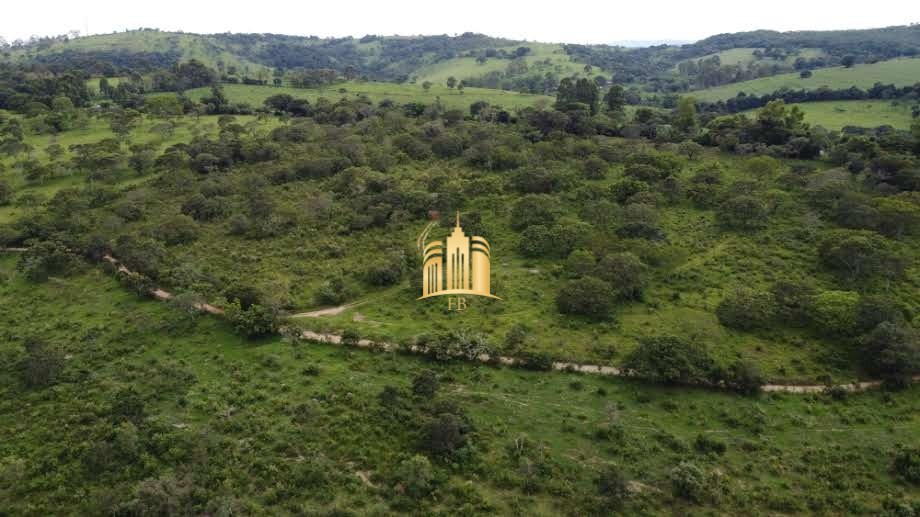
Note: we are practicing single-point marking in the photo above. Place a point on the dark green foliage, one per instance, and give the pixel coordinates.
(708, 444)
(333, 292)
(444, 434)
(892, 351)
(425, 384)
(127, 406)
(858, 254)
(45, 259)
(743, 213)
(533, 209)
(587, 296)
(612, 486)
(42, 365)
(691, 482)
(624, 272)
(253, 321)
(744, 377)
(746, 309)
(670, 360)
(907, 465)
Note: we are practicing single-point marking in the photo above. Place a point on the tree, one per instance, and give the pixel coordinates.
(6, 193)
(451, 82)
(427, 85)
(670, 360)
(445, 434)
(690, 148)
(835, 311)
(907, 466)
(587, 296)
(612, 486)
(122, 121)
(848, 61)
(255, 321)
(42, 364)
(743, 213)
(624, 272)
(686, 117)
(859, 254)
(805, 74)
(615, 98)
(415, 476)
(46, 258)
(745, 309)
(892, 351)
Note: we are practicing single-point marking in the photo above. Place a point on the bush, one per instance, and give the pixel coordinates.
(859, 254)
(333, 292)
(415, 476)
(254, 321)
(177, 229)
(835, 311)
(690, 482)
(533, 209)
(625, 188)
(671, 360)
(745, 309)
(587, 296)
(624, 272)
(425, 384)
(46, 258)
(742, 213)
(744, 377)
(706, 444)
(42, 364)
(907, 465)
(444, 434)
(612, 486)
(892, 351)
(594, 168)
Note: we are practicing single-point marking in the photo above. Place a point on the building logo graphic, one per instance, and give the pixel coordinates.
(458, 266)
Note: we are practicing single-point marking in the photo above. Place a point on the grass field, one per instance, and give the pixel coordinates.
(868, 113)
(378, 91)
(900, 72)
(464, 67)
(282, 425)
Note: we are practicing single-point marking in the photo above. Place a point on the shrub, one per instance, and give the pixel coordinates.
(907, 465)
(670, 360)
(793, 301)
(892, 351)
(594, 168)
(533, 209)
(177, 229)
(254, 321)
(745, 309)
(537, 180)
(587, 296)
(612, 486)
(691, 482)
(580, 263)
(859, 254)
(835, 311)
(626, 188)
(425, 384)
(625, 273)
(744, 377)
(742, 213)
(42, 364)
(44, 259)
(416, 476)
(333, 292)
(444, 434)
(708, 445)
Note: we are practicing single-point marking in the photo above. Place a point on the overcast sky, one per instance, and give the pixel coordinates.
(574, 21)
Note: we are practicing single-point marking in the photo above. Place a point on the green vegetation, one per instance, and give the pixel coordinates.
(868, 113)
(899, 72)
(142, 408)
(169, 239)
(255, 95)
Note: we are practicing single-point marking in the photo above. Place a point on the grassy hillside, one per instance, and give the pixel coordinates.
(548, 57)
(900, 72)
(155, 410)
(378, 91)
(868, 113)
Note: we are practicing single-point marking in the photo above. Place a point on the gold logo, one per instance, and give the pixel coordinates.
(457, 266)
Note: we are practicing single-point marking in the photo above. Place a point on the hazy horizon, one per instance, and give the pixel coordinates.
(606, 24)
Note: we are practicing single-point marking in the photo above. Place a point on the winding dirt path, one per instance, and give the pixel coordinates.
(591, 369)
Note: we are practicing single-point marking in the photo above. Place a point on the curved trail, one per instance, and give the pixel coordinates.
(591, 369)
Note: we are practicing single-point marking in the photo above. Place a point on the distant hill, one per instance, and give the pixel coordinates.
(479, 60)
